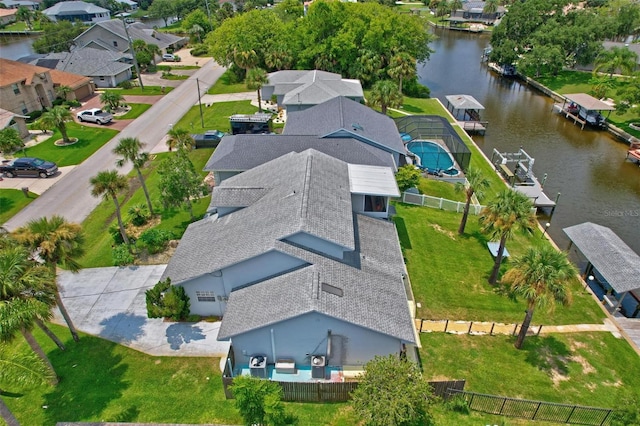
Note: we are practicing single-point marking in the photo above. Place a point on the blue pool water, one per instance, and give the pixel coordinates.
(433, 157)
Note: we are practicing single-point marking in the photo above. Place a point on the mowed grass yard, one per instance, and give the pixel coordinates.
(215, 117)
(12, 201)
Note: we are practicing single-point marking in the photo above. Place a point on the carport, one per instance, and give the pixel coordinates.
(611, 258)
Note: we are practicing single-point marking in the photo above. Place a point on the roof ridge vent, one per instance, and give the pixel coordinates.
(331, 289)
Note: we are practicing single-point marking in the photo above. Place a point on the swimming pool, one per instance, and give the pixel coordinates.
(433, 158)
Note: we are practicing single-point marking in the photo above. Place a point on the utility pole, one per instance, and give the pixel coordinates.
(133, 53)
(206, 2)
(200, 103)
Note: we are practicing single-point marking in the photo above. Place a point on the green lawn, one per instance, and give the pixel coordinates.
(449, 272)
(591, 369)
(136, 111)
(90, 140)
(578, 82)
(147, 91)
(438, 188)
(12, 201)
(215, 117)
(224, 86)
(97, 224)
(174, 77)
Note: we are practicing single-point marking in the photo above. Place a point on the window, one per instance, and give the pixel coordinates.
(373, 203)
(16, 88)
(205, 296)
(24, 108)
(115, 43)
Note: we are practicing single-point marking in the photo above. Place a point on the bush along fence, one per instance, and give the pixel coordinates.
(536, 410)
(471, 327)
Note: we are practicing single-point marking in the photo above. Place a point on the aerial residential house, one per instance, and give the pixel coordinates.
(339, 127)
(130, 4)
(473, 12)
(25, 88)
(14, 4)
(296, 269)
(87, 13)
(111, 35)
(105, 68)
(297, 90)
(17, 121)
(8, 16)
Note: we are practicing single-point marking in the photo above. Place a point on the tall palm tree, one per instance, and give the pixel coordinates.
(455, 5)
(509, 211)
(112, 99)
(180, 139)
(58, 243)
(25, 14)
(245, 59)
(541, 276)
(618, 58)
(130, 149)
(58, 117)
(402, 66)
(63, 91)
(108, 184)
(476, 184)
(255, 79)
(22, 370)
(385, 94)
(490, 7)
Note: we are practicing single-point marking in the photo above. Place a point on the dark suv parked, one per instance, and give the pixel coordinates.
(28, 166)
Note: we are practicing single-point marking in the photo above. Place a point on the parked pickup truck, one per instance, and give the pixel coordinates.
(28, 166)
(208, 139)
(95, 115)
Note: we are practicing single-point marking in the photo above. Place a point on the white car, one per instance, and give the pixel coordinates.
(168, 57)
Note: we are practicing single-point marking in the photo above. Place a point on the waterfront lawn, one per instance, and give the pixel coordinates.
(224, 85)
(593, 369)
(449, 272)
(90, 139)
(136, 111)
(97, 224)
(12, 201)
(147, 91)
(437, 188)
(215, 117)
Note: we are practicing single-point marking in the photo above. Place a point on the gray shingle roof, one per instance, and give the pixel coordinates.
(73, 7)
(225, 196)
(320, 91)
(373, 294)
(244, 152)
(611, 256)
(305, 192)
(86, 61)
(301, 76)
(137, 31)
(348, 118)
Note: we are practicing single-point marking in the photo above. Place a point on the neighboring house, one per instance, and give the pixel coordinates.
(634, 47)
(296, 267)
(104, 67)
(8, 16)
(82, 86)
(340, 127)
(14, 4)
(472, 11)
(131, 5)
(298, 90)
(77, 11)
(17, 121)
(24, 87)
(111, 35)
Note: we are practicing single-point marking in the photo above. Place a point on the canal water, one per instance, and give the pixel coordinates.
(587, 167)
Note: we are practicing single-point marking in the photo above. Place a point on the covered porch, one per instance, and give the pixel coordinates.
(469, 108)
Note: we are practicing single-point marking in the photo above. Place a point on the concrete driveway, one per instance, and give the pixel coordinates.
(35, 184)
(110, 303)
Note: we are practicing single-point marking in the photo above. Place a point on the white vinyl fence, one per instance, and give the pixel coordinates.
(440, 203)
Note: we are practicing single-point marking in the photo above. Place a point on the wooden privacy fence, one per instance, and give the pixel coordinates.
(537, 410)
(338, 391)
(473, 327)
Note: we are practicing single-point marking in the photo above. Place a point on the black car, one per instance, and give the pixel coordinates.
(208, 139)
(28, 166)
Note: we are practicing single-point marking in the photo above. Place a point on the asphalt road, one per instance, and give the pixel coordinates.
(71, 196)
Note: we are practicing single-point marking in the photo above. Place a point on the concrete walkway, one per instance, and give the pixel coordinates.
(110, 303)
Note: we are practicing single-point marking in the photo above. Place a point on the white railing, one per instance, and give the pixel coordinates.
(440, 203)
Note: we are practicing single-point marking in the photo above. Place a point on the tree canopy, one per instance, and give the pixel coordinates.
(57, 36)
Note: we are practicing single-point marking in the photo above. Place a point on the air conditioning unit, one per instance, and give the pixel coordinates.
(318, 363)
(258, 366)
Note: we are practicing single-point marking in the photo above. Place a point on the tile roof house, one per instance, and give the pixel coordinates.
(339, 127)
(7, 16)
(295, 267)
(111, 35)
(105, 68)
(24, 87)
(77, 11)
(297, 90)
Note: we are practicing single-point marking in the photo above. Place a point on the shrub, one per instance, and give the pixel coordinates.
(139, 215)
(199, 50)
(74, 103)
(125, 84)
(151, 68)
(167, 301)
(458, 404)
(121, 255)
(414, 89)
(163, 67)
(33, 116)
(114, 230)
(10, 140)
(155, 240)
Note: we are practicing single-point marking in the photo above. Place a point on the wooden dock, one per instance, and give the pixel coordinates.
(478, 127)
(576, 120)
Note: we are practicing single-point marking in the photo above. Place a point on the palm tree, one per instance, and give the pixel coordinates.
(22, 370)
(112, 99)
(130, 151)
(63, 91)
(402, 66)
(490, 7)
(618, 58)
(57, 242)
(369, 66)
(476, 184)
(278, 59)
(455, 5)
(180, 139)
(384, 94)
(540, 275)
(245, 59)
(108, 184)
(25, 14)
(58, 117)
(509, 211)
(255, 79)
